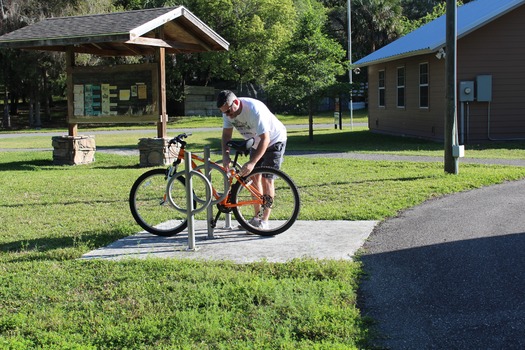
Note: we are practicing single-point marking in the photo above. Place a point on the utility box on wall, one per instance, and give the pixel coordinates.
(466, 91)
(484, 83)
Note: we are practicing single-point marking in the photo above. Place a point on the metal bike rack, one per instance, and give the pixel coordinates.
(207, 203)
(228, 216)
(189, 198)
(190, 211)
(207, 172)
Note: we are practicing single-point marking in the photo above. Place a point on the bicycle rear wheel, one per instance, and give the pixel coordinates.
(284, 205)
(150, 207)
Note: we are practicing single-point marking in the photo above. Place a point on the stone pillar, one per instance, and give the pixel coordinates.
(154, 152)
(73, 150)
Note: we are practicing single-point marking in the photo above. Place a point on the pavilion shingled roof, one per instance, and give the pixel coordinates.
(120, 33)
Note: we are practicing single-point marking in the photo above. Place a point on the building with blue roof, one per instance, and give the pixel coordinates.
(407, 86)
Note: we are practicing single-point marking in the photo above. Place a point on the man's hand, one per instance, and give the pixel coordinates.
(246, 169)
(257, 155)
(226, 137)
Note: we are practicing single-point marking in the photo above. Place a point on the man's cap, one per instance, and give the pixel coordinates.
(225, 96)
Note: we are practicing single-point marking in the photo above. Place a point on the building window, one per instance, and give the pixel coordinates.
(423, 85)
(401, 87)
(381, 88)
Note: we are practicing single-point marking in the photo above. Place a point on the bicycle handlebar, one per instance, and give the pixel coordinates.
(179, 139)
(241, 147)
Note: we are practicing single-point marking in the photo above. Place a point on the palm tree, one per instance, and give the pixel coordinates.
(376, 23)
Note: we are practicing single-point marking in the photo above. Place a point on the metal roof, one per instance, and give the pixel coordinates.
(432, 36)
(119, 33)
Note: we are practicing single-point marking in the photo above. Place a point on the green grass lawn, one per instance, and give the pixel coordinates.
(51, 215)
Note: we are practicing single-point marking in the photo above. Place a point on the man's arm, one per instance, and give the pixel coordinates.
(259, 152)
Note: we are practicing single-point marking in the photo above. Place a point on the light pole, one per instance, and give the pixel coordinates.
(350, 105)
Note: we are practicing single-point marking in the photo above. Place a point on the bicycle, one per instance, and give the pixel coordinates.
(156, 193)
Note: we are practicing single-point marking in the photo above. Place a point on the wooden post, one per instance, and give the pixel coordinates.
(451, 163)
(70, 63)
(154, 151)
(72, 149)
(162, 124)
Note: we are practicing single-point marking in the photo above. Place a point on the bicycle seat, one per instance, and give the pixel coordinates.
(241, 145)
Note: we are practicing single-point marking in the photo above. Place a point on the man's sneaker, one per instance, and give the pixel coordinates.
(265, 225)
(255, 222)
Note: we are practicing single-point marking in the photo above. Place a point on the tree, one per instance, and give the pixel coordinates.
(308, 65)
(438, 10)
(416, 9)
(255, 29)
(376, 23)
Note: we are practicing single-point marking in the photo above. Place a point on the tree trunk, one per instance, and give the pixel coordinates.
(47, 96)
(38, 120)
(310, 121)
(6, 120)
(34, 107)
(31, 110)
(13, 108)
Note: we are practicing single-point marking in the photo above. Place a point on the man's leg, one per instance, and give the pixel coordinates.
(257, 184)
(268, 190)
(273, 158)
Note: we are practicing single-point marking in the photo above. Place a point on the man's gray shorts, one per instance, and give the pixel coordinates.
(273, 157)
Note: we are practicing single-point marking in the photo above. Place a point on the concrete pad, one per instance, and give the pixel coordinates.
(305, 239)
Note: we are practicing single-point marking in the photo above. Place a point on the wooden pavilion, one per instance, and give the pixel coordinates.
(117, 94)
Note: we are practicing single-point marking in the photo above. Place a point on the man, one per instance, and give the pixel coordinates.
(251, 118)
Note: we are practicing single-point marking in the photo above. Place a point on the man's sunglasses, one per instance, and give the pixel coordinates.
(229, 110)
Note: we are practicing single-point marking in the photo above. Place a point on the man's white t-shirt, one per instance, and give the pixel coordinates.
(256, 119)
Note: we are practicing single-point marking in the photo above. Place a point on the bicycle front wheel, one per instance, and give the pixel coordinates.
(150, 207)
(282, 203)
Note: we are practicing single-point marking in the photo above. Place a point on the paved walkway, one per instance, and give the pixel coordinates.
(450, 273)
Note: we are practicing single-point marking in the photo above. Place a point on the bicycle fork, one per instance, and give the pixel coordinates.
(169, 174)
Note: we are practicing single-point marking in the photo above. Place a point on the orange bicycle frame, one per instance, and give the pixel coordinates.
(256, 194)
